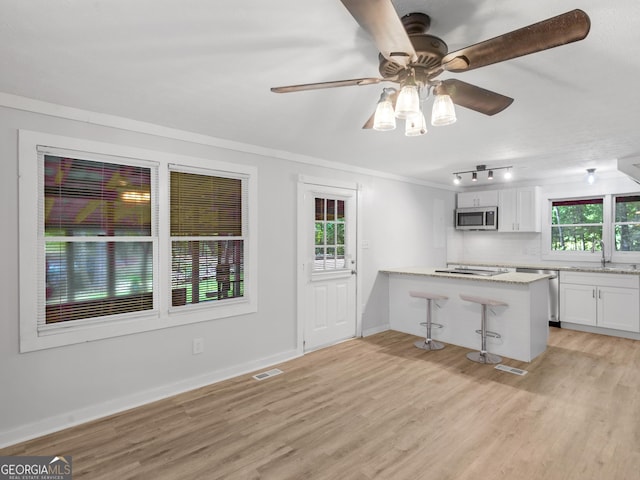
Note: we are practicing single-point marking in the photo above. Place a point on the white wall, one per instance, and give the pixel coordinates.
(50, 389)
(526, 248)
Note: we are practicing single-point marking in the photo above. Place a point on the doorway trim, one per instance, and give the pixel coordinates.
(301, 246)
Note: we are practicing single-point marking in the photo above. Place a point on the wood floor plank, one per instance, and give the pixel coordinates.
(379, 408)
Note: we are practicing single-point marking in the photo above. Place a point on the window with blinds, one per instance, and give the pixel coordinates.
(208, 233)
(102, 255)
(98, 238)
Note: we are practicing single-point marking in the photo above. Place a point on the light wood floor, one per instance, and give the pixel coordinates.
(380, 408)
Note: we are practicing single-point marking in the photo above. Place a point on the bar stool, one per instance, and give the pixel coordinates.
(428, 343)
(483, 356)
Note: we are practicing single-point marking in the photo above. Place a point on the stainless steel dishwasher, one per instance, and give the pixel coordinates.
(554, 293)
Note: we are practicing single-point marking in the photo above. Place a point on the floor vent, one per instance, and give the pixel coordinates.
(270, 373)
(507, 368)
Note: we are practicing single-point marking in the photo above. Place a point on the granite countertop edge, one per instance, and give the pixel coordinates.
(612, 269)
(507, 277)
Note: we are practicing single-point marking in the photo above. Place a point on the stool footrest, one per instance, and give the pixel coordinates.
(433, 324)
(490, 334)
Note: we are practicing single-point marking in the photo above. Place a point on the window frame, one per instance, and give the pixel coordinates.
(162, 316)
(244, 178)
(621, 256)
(608, 232)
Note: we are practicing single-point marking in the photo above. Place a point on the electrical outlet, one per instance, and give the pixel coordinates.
(198, 346)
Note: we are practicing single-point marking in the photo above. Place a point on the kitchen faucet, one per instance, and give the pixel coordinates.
(603, 260)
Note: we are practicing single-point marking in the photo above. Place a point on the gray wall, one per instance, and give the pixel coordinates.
(50, 389)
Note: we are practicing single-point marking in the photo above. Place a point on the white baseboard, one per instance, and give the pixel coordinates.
(601, 331)
(377, 329)
(77, 417)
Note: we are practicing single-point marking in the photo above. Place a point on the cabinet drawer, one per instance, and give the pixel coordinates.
(602, 279)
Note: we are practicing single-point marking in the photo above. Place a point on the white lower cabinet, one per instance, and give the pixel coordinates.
(601, 300)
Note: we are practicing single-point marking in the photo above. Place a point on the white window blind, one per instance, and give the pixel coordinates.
(208, 223)
(97, 237)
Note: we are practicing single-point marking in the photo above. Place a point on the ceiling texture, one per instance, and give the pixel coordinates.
(207, 67)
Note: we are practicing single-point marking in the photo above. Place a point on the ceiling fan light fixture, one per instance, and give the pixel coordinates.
(443, 112)
(384, 118)
(408, 103)
(415, 125)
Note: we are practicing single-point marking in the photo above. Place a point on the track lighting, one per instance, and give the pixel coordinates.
(457, 179)
(591, 177)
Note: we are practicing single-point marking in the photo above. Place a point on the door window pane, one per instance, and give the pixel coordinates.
(330, 234)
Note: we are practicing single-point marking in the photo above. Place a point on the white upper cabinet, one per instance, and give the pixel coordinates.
(519, 210)
(481, 198)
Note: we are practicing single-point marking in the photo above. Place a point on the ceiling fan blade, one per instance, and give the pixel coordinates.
(474, 98)
(380, 19)
(320, 85)
(369, 123)
(553, 32)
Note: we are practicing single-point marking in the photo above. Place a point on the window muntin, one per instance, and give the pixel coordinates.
(207, 237)
(97, 237)
(577, 225)
(627, 223)
(330, 225)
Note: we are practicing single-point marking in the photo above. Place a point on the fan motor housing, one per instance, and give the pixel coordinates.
(430, 50)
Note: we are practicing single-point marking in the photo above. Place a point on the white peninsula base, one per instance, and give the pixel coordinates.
(523, 325)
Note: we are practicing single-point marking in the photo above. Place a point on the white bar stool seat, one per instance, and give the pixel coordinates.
(483, 356)
(428, 343)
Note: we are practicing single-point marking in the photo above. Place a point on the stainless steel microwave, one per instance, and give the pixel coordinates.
(477, 218)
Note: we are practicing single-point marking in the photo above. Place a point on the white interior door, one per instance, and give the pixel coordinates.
(327, 252)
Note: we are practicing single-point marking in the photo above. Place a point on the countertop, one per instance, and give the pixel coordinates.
(507, 277)
(611, 268)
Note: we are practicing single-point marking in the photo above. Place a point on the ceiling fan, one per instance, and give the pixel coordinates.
(414, 59)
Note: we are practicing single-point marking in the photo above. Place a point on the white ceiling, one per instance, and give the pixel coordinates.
(207, 67)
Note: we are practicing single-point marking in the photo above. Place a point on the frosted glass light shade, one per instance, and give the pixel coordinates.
(415, 125)
(443, 112)
(408, 102)
(384, 118)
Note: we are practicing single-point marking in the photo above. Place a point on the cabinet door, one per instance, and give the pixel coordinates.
(528, 213)
(481, 198)
(467, 199)
(507, 221)
(618, 308)
(487, 198)
(578, 304)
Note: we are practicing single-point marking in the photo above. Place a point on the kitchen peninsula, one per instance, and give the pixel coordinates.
(522, 325)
